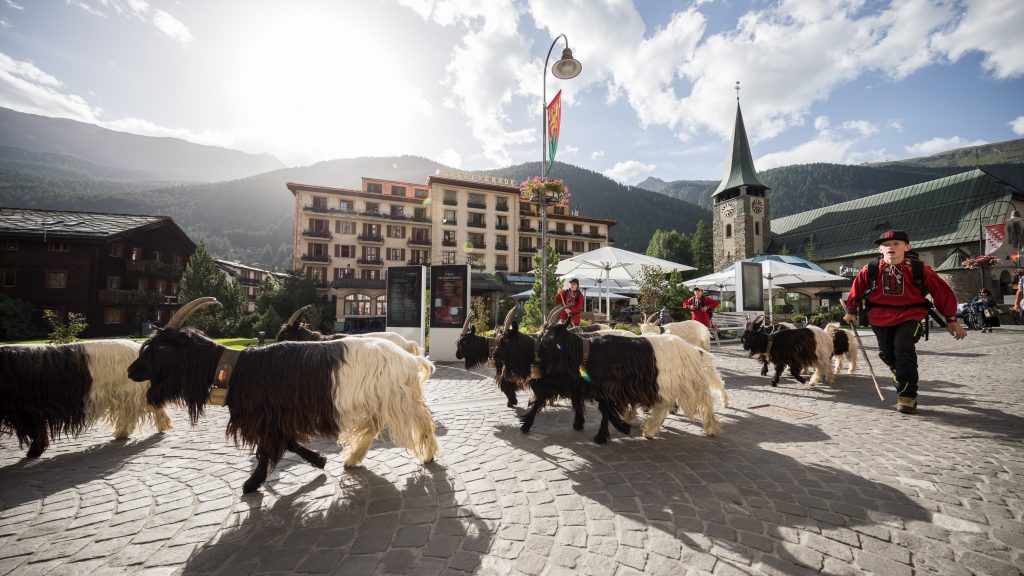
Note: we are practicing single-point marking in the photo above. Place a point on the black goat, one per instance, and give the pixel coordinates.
(797, 348)
(473, 350)
(279, 396)
(294, 330)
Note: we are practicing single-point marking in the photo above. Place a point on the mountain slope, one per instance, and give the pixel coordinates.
(168, 159)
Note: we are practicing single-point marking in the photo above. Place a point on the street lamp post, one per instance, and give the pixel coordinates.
(1014, 215)
(565, 68)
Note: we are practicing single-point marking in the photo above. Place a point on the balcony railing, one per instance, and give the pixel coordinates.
(501, 266)
(448, 202)
(564, 252)
(479, 246)
(154, 267)
(477, 205)
(369, 283)
(314, 208)
(449, 243)
(501, 226)
(528, 229)
(315, 258)
(476, 224)
(418, 262)
(418, 242)
(450, 221)
(501, 207)
(248, 281)
(560, 232)
(370, 261)
(324, 234)
(110, 296)
(527, 249)
(501, 246)
(370, 238)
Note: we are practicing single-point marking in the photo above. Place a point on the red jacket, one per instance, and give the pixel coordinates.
(697, 308)
(895, 287)
(573, 305)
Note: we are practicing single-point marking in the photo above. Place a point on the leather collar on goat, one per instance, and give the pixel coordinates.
(586, 352)
(221, 378)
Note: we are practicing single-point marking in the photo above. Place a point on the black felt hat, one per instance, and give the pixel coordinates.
(893, 235)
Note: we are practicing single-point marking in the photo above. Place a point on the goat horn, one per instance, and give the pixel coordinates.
(469, 319)
(508, 318)
(185, 311)
(649, 319)
(554, 314)
(298, 313)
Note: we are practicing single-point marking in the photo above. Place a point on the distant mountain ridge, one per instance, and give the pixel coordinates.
(146, 157)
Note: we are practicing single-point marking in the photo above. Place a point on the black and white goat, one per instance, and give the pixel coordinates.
(844, 347)
(294, 330)
(797, 348)
(692, 331)
(49, 391)
(279, 396)
(618, 372)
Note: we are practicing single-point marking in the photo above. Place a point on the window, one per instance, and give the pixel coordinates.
(345, 205)
(449, 217)
(396, 253)
(419, 213)
(477, 201)
(371, 229)
(161, 287)
(421, 193)
(525, 264)
(10, 244)
(319, 203)
(577, 229)
(396, 231)
(561, 246)
(373, 207)
(594, 245)
(344, 227)
(344, 273)
(448, 257)
(560, 210)
(451, 198)
(371, 274)
(141, 285)
(398, 211)
(501, 242)
(135, 255)
(419, 256)
(56, 279)
(577, 246)
(476, 239)
(560, 227)
(115, 249)
(174, 288)
(728, 230)
(374, 187)
(357, 305)
(501, 262)
(8, 278)
(382, 305)
(502, 223)
(757, 228)
(113, 315)
(525, 243)
(344, 251)
(448, 238)
(397, 190)
(371, 253)
(58, 247)
(477, 220)
(593, 231)
(113, 282)
(421, 234)
(501, 203)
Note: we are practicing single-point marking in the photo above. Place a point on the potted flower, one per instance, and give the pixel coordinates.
(984, 262)
(547, 191)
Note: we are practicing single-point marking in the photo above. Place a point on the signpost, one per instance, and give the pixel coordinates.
(449, 304)
(406, 297)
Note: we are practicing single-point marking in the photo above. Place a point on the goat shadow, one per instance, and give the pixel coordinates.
(365, 523)
(35, 479)
(708, 500)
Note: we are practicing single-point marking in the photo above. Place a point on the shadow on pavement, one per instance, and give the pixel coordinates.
(363, 525)
(722, 499)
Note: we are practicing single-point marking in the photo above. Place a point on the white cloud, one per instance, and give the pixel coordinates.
(85, 6)
(172, 27)
(147, 128)
(821, 122)
(992, 27)
(26, 88)
(4, 23)
(938, 144)
(832, 145)
(567, 150)
(449, 158)
(142, 11)
(14, 5)
(628, 171)
(1017, 125)
(596, 154)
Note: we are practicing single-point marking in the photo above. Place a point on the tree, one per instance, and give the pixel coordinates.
(809, 249)
(675, 294)
(703, 249)
(16, 319)
(784, 251)
(670, 245)
(64, 331)
(533, 317)
(202, 277)
(289, 293)
(481, 318)
(652, 286)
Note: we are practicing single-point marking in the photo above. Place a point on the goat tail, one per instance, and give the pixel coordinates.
(823, 356)
(708, 360)
(683, 377)
(831, 328)
(381, 386)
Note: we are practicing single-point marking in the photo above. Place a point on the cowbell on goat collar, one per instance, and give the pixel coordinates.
(221, 378)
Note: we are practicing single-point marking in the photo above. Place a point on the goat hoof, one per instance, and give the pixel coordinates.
(319, 461)
(625, 429)
(512, 404)
(525, 428)
(34, 453)
(250, 486)
(599, 439)
(774, 384)
(649, 436)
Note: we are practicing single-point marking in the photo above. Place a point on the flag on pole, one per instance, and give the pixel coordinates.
(554, 127)
(995, 235)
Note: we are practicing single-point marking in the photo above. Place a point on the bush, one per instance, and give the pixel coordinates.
(631, 327)
(799, 318)
(64, 331)
(16, 319)
(817, 320)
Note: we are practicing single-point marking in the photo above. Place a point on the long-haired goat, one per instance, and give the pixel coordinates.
(49, 391)
(692, 331)
(294, 330)
(279, 396)
(797, 348)
(844, 347)
(618, 372)
(472, 349)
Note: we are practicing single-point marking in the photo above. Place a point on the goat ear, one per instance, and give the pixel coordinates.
(472, 329)
(515, 326)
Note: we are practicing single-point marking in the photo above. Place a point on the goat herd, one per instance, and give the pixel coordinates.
(350, 388)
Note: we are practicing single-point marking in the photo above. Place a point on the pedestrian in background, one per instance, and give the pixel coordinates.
(701, 306)
(985, 305)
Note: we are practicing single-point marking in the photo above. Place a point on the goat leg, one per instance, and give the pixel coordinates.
(795, 371)
(617, 421)
(540, 393)
(312, 456)
(578, 409)
(778, 374)
(259, 474)
(509, 389)
(40, 440)
(602, 430)
(764, 367)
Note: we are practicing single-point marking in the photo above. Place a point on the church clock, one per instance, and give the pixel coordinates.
(757, 205)
(729, 210)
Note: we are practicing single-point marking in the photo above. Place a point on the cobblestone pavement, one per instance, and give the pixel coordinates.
(799, 481)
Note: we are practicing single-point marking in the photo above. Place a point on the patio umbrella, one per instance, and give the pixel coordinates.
(616, 264)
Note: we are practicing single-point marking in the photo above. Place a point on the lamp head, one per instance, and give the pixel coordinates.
(566, 67)
(1015, 214)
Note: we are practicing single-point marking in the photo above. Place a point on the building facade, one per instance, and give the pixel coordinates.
(346, 239)
(248, 277)
(120, 271)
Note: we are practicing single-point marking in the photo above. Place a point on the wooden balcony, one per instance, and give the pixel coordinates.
(369, 261)
(419, 242)
(320, 234)
(154, 268)
(315, 258)
(371, 238)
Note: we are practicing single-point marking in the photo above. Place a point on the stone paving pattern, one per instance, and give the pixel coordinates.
(799, 481)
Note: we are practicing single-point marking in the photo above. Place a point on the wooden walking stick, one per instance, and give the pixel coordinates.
(868, 360)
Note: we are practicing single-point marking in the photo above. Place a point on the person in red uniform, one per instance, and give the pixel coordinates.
(700, 306)
(572, 298)
(896, 308)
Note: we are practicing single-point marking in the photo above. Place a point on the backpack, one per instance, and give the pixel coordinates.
(917, 271)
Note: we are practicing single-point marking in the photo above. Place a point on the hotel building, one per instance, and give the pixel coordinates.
(345, 239)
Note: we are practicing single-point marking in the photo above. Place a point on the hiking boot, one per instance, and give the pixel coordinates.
(905, 405)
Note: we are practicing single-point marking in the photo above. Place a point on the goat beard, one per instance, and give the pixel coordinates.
(187, 380)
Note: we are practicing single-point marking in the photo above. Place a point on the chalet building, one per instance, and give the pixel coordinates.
(345, 239)
(944, 219)
(119, 270)
(248, 277)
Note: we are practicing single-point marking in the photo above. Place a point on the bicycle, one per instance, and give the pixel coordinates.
(972, 319)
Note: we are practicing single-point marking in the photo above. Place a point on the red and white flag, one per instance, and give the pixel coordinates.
(995, 235)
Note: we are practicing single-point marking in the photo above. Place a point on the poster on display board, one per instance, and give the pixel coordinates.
(405, 296)
(449, 296)
(753, 286)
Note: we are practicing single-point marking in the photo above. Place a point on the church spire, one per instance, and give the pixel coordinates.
(739, 168)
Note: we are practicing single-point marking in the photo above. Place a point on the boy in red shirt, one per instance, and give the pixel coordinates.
(896, 308)
(700, 306)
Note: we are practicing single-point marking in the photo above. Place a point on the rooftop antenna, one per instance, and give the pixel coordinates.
(50, 223)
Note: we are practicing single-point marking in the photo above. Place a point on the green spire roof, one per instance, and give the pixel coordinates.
(739, 169)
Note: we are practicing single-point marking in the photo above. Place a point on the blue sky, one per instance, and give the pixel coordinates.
(460, 81)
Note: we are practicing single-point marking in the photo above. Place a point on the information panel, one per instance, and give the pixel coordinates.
(405, 286)
(753, 286)
(449, 295)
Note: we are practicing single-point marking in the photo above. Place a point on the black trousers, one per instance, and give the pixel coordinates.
(896, 348)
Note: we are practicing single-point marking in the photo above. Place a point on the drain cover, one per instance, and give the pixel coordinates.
(781, 412)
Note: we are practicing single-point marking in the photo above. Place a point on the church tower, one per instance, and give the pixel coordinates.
(740, 216)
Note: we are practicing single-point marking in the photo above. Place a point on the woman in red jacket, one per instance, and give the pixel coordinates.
(572, 298)
(701, 306)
